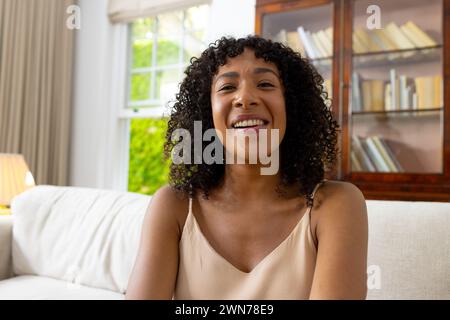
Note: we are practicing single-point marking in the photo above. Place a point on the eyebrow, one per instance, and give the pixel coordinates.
(234, 74)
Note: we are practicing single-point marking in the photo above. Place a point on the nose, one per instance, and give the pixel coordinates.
(245, 98)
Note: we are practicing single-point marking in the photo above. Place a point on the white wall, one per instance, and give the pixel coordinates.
(99, 139)
(97, 134)
(231, 18)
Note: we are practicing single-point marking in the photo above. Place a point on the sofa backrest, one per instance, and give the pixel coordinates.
(409, 250)
(81, 235)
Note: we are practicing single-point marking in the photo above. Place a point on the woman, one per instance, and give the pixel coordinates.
(226, 231)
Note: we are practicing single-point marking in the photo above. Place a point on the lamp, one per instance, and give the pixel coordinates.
(15, 177)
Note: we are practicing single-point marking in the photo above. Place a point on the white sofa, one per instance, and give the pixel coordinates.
(80, 243)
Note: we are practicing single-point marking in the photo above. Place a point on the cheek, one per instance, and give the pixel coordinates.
(219, 114)
(280, 114)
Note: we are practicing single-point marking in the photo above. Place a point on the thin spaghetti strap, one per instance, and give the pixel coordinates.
(317, 187)
(310, 207)
(311, 199)
(190, 206)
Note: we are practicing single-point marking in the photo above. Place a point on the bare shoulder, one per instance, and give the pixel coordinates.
(339, 203)
(170, 206)
(342, 237)
(155, 269)
(335, 193)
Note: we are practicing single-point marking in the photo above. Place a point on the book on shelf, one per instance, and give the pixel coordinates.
(314, 45)
(373, 154)
(359, 151)
(398, 37)
(317, 44)
(390, 38)
(423, 39)
(356, 92)
(372, 95)
(429, 92)
(328, 88)
(293, 41)
(398, 93)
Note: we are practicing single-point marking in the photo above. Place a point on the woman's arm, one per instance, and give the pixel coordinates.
(156, 266)
(342, 234)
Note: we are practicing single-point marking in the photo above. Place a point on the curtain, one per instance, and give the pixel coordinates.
(35, 85)
(123, 11)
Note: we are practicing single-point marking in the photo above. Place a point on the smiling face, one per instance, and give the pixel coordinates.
(247, 95)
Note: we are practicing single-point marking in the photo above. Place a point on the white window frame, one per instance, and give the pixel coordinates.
(127, 112)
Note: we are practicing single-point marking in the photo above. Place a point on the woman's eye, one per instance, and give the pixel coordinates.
(266, 84)
(225, 88)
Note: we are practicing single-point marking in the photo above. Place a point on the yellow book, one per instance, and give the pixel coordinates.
(325, 42)
(366, 41)
(328, 88)
(387, 41)
(402, 42)
(419, 82)
(374, 45)
(412, 37)
(387, 97)
(429, 92)
(357, 45)
(425, 38)
(329, 34)
(294, 42)
(319, 45)
(376, 94)
(367, 95)
(437, 97)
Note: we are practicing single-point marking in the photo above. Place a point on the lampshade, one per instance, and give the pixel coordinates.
(15, 177)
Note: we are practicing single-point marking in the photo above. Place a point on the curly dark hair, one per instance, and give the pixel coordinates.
(309, 146)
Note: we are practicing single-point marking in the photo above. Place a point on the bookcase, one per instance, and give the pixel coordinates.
(386, 65)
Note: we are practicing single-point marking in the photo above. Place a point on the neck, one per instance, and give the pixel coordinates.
(245, 182)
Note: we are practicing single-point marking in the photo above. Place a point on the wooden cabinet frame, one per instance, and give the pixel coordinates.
(374, 185)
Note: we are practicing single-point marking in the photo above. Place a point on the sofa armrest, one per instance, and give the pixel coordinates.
(6, 224)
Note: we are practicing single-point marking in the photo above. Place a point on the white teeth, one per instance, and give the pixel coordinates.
(249, 123)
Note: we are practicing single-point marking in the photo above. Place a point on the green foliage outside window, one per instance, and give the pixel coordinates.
(147, 169)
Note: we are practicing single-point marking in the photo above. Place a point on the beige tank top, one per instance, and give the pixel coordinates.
(285, 273)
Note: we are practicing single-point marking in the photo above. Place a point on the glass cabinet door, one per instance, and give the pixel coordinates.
(396, 99)
(308, 30)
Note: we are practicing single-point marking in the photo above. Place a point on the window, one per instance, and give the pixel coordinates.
(160, 50)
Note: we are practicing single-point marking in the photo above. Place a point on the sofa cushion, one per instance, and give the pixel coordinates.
(77, 234)
(409, 255)
(43, 288)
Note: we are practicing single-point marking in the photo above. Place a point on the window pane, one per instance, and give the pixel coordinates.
(169, 25)
(167, 84)
(142, 28)
(197, 18)
(194, 45)
(140, 86)
(168, 52)
(142, 53)
(148, 170)
(163, 45)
